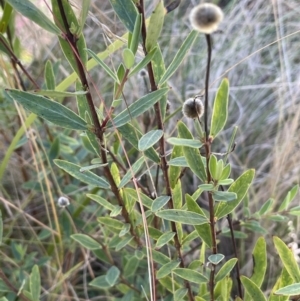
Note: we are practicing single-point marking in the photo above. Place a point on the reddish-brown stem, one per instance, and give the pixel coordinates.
(163, 160)
(72, 39)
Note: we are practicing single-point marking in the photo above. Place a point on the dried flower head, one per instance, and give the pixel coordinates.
(142, 73)
(63, 202)
(193, 108)
(206, 17)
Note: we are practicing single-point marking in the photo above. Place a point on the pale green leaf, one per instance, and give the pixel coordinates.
(100, 282)
(164, 239)
(185, 142)
(289, 290)
(134, 43)
(87, 177)
(190, 275)
(226, 269)
(149, 139)
(103, 202)
(159, 202)
(112, 275)
(49, 76)
(167, 268)
(180, 294)
(179, 161)
(215, 258)
(142, 64)
(35, 283)
(132, 172)
(253, 290)
(110, 222)
(86, 241)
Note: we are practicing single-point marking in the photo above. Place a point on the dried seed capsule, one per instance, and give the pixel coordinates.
(63, 202)
(206, 17)
(193, 108)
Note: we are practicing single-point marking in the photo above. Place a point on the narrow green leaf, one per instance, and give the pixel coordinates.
(174, 171)
(213, 162)
(158, 257)
(116, 211)
(289, 290)
(164, 239)
(167, 268)
(103, 202)
(289, 198)
(180, 55)
(100, 282)
(86, 241)
(123, 243)
(112, 275)
(4, 45)
(240, 186)
(84, 13)
(147, 202)
(49, 76)
(128, 58)
(149, 139)
(125, 230)
(48, 109)
(220, 109)
(284, 280)
(226, 172)
(204, 230)
(87, 177)
(134, 43)
(137, 108)
(253, 290)
(90, 167)
(103, 65)
(126, 12)
(192, 155)
(35, 283)
(259, 262)
(110, 222)
(134, 169)
(159, 202)
(224, 196)
(7, 12)
(179, 161)
(30, 11)
(53, 93)
(181, 216)
(206, 187)
(132, 135)
(215, 258)
(155, 26)
(288, 259)
(190, 275)
(142, 64)
(225, 182)
(185, 142)
(226, 269)
(180, 294)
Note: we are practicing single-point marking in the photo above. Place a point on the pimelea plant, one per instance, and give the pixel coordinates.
(146, 232)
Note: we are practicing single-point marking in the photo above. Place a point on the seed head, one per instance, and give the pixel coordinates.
(63, 202)
(206, 17)
(193, 108)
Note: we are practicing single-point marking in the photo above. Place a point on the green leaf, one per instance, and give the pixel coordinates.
(225, 182)
(126, 12)
(190, 275)
(53, 93)
(289, 198)
(289, 290)
(284, 280)
(266, 207)
(30, 11)
(49, 76)
(180, 294)
(87, 177)
(240, 186)
(6, 16)
(128, 58)
(164, 239)
(215, 258)
(159, 202)
(181, 216)
(123, 243)
(226, 269)
(142, 64)
(84, 13)
(112, 275)
(149, 139)
(132, 135)
(35, 283)
(110, 222)
(167, 268)
(224, 196)
(192, 155)
(288, 259)
(155, 26)
(116, 211)
(48, 109)
(103, 65)
(226, 172)
(213, 164)
(90, 167)
(100, 282)
(259, 262)
(131, 266)
(4, 45)
(220, 109)
(179, 161)
(134, 43)
(137, 108)
(179, 57)
(185, 142)
(204, 230)
(103, 202)
(86, 241)
(174, 171)
(132, 172)
(253, 290)
(125, 230)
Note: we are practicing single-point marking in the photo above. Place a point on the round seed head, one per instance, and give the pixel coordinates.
(63, 202)
(193, 108)
(206, 17)
(142, 73)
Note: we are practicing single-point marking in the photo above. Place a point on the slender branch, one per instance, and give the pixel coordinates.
(72, 39)
(237, 266)
(163, 160)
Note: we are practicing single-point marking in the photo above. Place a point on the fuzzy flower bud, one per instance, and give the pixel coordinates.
(63, 202)
(206, 17)
(193, 108)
